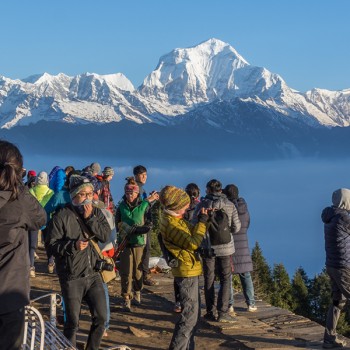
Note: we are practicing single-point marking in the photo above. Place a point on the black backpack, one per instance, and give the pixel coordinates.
(218, 229)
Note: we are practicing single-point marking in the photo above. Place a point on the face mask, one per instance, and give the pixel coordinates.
(85, 202)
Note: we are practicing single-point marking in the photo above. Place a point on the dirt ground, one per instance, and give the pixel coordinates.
(154, 317)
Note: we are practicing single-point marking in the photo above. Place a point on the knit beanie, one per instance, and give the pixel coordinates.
(42, 178)
(77, 183)
(173, 198)
(95, 168)
(341, 198)
(231, 192)
(107, 171)
(130, 188)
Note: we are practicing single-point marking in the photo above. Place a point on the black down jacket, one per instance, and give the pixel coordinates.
(337, 237)
(17, 217)
(63, 232)
(242, 261)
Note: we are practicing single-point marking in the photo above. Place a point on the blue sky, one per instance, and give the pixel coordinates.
(306, 42)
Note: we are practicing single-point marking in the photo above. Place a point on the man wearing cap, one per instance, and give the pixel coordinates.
(105, 194)
(182, 240)
(76, 260)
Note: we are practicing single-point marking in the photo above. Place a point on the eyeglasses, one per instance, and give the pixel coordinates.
(85, 194)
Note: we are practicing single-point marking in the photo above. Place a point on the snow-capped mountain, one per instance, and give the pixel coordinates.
(184, 81)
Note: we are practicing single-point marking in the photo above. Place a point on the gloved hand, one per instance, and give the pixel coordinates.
(140, 230)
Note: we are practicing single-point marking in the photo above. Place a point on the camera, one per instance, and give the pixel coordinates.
(102, 265)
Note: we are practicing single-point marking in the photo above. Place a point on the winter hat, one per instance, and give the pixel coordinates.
(77, 183)
(231, 192)
(341, 198)
(31, 173)
(95, 168)
(107, 171)
(42, 178)
(173, 198)
(130, 188)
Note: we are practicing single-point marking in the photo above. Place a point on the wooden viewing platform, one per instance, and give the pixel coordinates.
(150, 325)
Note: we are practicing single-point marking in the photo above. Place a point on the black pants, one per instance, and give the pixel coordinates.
(12, 330)
(222, 266)
(89, 289)
(146, 255)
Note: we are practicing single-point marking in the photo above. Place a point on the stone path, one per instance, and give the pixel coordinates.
(150, 325)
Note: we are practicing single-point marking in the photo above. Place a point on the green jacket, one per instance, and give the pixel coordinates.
(132, 216)
(42, 193)
(182, 240)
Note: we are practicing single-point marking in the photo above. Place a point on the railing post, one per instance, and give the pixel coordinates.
(53, 306)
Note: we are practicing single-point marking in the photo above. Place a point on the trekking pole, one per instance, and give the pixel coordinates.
(122, 244)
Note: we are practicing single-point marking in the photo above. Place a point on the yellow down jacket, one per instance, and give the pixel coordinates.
(182, 240)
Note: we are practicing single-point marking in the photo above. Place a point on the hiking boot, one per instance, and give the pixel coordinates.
(137, 298)
(226, 318)
(209, 316)
(149, 281)
(32, 271)
(177, 307)
(127, 305)
(337, 343)
(231, 311)
(252, 308)
(51, 267)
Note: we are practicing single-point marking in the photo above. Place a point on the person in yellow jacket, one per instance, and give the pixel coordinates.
(42, 193)
(182, 240)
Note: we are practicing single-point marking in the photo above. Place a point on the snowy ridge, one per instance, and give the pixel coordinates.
(184, 80)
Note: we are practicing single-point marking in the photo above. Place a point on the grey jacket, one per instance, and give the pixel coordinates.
(219, 201)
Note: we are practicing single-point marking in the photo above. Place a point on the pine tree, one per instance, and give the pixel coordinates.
(300, 293)
(282, 288)
(261, 274)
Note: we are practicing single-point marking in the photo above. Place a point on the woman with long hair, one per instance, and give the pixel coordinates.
(20, 212)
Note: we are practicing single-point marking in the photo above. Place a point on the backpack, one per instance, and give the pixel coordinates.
(170, 259)
(219, 230)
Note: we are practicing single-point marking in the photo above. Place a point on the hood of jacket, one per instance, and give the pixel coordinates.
(215, 200)
(4, 197)
(341, 198)
(330, 212)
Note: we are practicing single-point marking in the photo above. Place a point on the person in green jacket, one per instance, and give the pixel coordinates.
(182, 240)
(132, 211)
(42, 193)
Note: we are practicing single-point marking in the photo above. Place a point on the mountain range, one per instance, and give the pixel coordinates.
(208, 92)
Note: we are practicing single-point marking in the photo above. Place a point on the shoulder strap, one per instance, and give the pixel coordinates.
(87, 233)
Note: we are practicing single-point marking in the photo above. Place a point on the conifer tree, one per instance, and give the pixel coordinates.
(261, 274)
(282, 289)
(300, 293)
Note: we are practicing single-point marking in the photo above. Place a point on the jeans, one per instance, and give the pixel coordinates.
(247, 287)
(33, 244)
(90, 289)
(185, 328)
(12, 330)
(223, 268)
(105, 287)
(340, 283)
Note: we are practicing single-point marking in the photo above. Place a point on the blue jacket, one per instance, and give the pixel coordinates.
(337, 236)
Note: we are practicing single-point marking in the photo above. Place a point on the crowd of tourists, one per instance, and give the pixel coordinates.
(85, 232)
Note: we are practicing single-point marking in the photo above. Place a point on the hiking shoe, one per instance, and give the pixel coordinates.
(209, 316)
(177, 307)
(231, 311)
(51, 267)
(337, 343)
(32, 271)
(149, 281)
(252, 308)
(226, 318)
(137, 298)
(127, 305)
